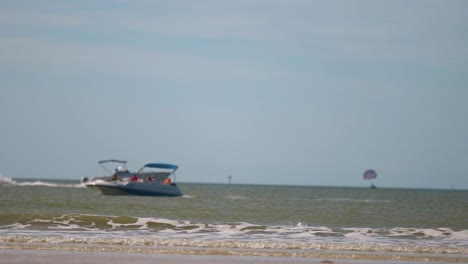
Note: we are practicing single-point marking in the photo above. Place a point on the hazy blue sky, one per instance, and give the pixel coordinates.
(272, 92)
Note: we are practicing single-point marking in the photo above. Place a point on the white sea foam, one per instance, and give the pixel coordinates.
(121, 242)
(237, 197)
(16, 226)
(6, 180)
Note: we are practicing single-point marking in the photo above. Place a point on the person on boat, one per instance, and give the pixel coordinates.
(150, 178)
(134, 178)
(114, 176)
(167, 181)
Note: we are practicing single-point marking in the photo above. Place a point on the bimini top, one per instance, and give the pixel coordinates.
(161, 166)
(112, 160)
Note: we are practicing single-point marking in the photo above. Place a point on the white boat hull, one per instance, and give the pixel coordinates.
(134, 188)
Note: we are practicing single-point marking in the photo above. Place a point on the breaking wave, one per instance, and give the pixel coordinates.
(123, 234)
(16, 224)
(95, 233)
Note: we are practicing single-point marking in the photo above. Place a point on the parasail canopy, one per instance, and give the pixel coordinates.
(369, 174)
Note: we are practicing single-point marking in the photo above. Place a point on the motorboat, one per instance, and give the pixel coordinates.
(153, 179)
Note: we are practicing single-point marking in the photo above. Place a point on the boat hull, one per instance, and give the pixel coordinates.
(135, 188)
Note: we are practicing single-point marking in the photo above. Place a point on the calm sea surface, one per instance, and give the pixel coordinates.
(238, 220)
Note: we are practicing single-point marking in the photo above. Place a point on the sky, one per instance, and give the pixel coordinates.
(268, 91)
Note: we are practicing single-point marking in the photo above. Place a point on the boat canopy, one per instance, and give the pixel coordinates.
(112, 160)
(161, 166)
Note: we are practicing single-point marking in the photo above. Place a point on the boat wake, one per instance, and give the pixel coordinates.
(10, 181)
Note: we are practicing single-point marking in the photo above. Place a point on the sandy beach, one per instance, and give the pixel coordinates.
(14, 256)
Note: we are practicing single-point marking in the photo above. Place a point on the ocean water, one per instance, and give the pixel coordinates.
(251, 220)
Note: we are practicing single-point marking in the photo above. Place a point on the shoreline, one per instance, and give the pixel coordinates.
(37, 256)
(45, 254)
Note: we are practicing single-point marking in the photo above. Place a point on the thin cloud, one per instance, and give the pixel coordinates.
(427, 32)
(33, 53)
(41, 20)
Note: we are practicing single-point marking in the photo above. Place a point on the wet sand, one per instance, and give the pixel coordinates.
(14, 256)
